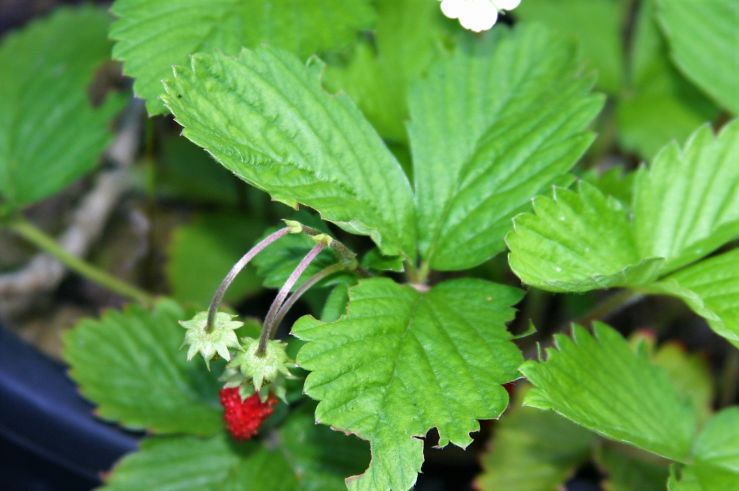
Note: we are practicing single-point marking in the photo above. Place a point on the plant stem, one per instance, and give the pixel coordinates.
(268, 326)
(46, 243)
(307, 285)
(234, 272)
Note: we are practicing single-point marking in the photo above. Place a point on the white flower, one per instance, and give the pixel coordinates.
(476, 15)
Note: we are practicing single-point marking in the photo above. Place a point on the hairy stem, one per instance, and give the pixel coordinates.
(307, 285)
(234, 272)
(46, 243)
(268, 326)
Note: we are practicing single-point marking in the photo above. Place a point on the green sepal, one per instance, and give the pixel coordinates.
(218, 340)
(253, 373)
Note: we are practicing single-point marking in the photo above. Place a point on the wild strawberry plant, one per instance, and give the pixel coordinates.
(441, 150)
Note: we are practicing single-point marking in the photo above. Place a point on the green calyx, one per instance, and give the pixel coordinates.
(218, 340)
(259, 373)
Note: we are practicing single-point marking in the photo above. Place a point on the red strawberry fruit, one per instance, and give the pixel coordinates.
(243, 418)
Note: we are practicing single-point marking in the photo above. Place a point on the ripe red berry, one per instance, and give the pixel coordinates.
(243, 418)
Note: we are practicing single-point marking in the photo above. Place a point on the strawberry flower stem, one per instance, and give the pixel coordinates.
(307, 285)
(268, 326)
(234, 272)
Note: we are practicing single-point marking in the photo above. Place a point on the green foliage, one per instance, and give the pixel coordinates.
(690, 374)
(499, 121)
(48, 126)
(684, 206)
(203, 251)
(654, 103)
(594, 24)
(129, 364)
(153, 35)
(657, 104)
(308, 458)
(600, 383)
(185, 172)
(408, 36)
(401, 362)
(533, 451)
(711, 289)
(626, 471)
(265, 117)
(703, 42)
(715, 455)
(275, 263)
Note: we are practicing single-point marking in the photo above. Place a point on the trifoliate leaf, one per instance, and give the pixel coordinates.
(265, 117)
(703, 42)
(595, 24)
(533, 450)
(502, 119)
(685, 205)
(409, 34)
(600, 383)
(214, 341)
(715, 464)
(626, 470)
(129, 364)
(203, 251)
(304, 457)
(153, 35)
(711, 288)
(50, 135)
(401, 362)
(658, 104)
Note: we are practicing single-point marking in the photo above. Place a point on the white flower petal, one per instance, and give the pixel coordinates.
(452, 8)
(506, 4)
(480, 16)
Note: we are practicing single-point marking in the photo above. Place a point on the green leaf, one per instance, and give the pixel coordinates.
(265, 117)
(48, 127)
(614, 182)
(711, 289)
(502, 119)
(408, 36)
(690, 374)
(187, 173)
(560, 246)
(715, 455)
(685, 205)
(401, 362)
(703, 41)
(629, 471)
(658, 105)
(307, 458)
(203, 251)
(533, 450)
(275, 263)
(598, 382)
(153, 35)
(595, 24)
(129, 364)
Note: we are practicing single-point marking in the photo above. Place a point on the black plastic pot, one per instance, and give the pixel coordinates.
(49, 438)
